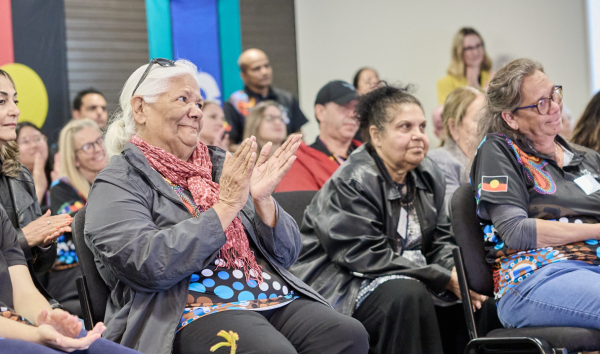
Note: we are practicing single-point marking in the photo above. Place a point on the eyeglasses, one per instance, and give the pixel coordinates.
(543, 105)
(477, 47)
(33, 140)
(89, 147)
(270, 118)
(159, 61)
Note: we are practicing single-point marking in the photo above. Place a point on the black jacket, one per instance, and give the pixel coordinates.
(24, 209)
(349, 230)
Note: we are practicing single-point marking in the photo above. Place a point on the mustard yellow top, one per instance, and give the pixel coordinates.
(448, 83)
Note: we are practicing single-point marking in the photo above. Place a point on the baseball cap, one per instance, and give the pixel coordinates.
(337, 91)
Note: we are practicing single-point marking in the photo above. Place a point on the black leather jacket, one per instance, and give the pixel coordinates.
(349, 230)
(25, 209)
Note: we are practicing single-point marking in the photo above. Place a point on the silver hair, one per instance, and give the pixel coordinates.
(504, 94)
(122, 125)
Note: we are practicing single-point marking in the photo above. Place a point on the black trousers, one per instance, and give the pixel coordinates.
(303, 326)
(400, 317)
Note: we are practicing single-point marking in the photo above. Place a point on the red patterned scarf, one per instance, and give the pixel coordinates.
(195, 176)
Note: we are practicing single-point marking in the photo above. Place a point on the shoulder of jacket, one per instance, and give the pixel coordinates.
(281, 92)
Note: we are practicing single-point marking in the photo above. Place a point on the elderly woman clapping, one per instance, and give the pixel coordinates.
(538, 198)
(376, 238)
(183, 249)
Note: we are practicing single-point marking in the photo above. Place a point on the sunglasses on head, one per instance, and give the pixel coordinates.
(159, 61)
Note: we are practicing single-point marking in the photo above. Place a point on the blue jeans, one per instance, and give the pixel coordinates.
(563, 294)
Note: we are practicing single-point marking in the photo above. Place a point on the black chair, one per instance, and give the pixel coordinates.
(476, 274)
(294, 203)
(93, 292)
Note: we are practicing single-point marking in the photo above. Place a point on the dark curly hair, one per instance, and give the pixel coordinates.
(372, 108)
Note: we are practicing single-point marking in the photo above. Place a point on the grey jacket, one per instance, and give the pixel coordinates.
(455, 165)
(146, 246)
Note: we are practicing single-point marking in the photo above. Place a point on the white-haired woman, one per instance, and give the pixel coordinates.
(82, 157)
(183, 249)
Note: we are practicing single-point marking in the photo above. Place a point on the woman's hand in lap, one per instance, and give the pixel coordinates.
(50, 337)
(63, 322)
(477, 300)
(269, 171)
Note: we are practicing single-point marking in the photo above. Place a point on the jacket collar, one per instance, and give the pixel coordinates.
(391, 190)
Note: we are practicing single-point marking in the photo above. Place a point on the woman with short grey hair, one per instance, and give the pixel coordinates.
(537, 199)
(191, 260)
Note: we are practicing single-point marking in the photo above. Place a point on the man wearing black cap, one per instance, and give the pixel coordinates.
(334, 110)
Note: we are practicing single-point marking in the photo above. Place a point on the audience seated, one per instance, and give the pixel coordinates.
(366, 80)
(334, 110)
(33, 154)
(36, 232)
(461, 114)
(469, 66)
(213, 126)
(266, 123)
(376, 238)
(587, 130)
(537, 199)
(91, 104)
(82, 156)
(257, 74)
(27, 321)
(155, 221)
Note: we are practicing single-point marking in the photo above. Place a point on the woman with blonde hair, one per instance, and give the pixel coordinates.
(267, 123)
(460, 117)
(470, 65)
(82, 155)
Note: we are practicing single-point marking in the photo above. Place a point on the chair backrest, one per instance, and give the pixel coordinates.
(470, 238)
(294, 203)
(98, 291)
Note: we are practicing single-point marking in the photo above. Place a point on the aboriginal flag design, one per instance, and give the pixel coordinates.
(494, 183)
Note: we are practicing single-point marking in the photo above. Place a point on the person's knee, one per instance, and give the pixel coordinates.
(406, 293)
(355, 332)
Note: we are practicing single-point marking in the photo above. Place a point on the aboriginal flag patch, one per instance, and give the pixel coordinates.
(494, 183)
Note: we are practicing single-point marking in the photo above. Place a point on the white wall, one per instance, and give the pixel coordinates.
(409, 41)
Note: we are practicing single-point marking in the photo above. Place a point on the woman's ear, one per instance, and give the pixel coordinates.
(453, 129)
(510, 119)
(375, 136)
(138, 105)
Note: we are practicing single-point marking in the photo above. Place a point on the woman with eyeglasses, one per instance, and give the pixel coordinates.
(538, 199)
(81, 149)
(189, 240)
(33, 154)
(266, 123)
(469, 66)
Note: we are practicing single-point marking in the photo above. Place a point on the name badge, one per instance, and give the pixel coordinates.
(403, 223)
(588, 184)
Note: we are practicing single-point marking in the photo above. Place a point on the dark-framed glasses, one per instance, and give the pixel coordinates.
(543, 105)
(473, 48)
(89, 147)
(159, 61)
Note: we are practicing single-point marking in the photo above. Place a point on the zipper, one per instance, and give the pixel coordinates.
(275, 267)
